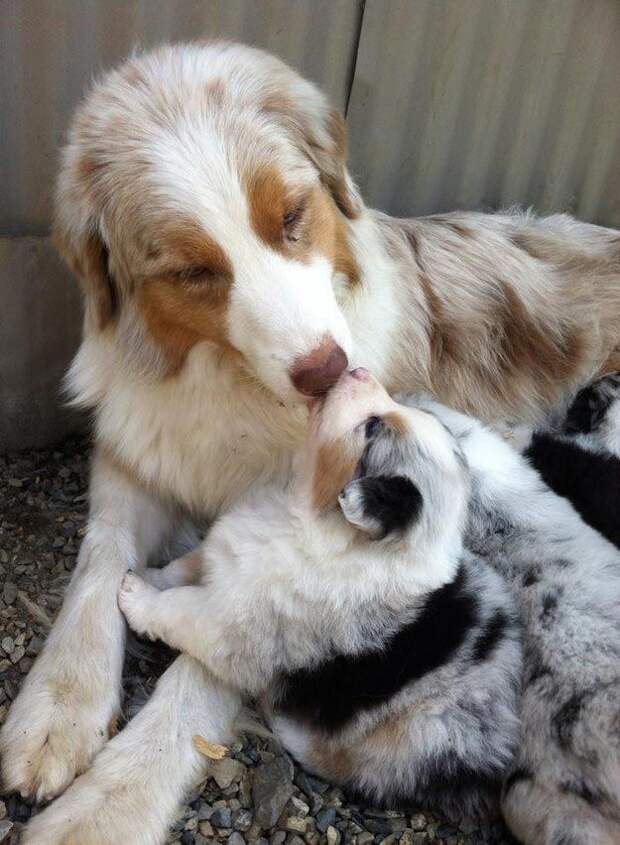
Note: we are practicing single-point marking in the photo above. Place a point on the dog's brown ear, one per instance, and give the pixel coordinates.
(87, 257)
(320, 132)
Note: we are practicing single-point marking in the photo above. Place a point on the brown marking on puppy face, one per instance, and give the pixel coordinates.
(335, 466)
(396, 421)
(299, 221)
(186, 302)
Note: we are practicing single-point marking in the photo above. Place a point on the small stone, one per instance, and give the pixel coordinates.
(191, 824)
(205, 829)
(420, 839)
(278, 838)
(254, 832)
(293, 839)
(205, 811)
(418, 821)
(17, 654)
(325, 818)
(222, 817)
(9, 593)
(272, 788)
(15, 482)
(296, 824)
(380, 826)
(333, 835)
(312, 837)
(301, 807)
(227, 771)
(406, 837)
(2, 810)
(365, 838)
(242, 820)
(236, 839)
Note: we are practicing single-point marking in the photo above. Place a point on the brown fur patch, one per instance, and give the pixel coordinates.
(515, 344)
(89, 262)
(335, 466)
(321, 229)
(181, 309)
(332, 763)
(396, 421)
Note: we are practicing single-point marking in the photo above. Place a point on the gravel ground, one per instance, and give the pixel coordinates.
(256, 795)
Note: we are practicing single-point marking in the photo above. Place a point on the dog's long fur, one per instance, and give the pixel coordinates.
(205, 206)
(387, 657)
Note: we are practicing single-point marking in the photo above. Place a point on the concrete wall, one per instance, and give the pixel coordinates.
(450, 103)
(40, 325)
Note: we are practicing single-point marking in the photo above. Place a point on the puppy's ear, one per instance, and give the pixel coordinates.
(87, 257)
(381, 505)
(319, 131)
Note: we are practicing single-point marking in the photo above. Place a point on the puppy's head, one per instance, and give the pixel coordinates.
(391, 471)
(204, 199)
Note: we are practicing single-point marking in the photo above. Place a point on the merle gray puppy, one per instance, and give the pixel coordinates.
(564, 788)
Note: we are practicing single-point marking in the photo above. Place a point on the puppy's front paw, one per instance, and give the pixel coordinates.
(135, 599)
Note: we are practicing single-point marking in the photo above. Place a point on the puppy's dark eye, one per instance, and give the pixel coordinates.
(373, 424)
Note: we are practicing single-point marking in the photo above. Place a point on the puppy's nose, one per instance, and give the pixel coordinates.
(360, 373)
(314, 374)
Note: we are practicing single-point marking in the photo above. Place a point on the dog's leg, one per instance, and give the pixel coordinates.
(70, 699)
(130, 794)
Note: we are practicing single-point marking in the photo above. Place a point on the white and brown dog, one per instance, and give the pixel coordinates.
(230, 267)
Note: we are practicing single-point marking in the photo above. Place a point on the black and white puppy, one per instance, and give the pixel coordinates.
(387, 657)
(564, 788)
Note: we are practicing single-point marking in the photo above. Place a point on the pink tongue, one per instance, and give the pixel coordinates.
(360, 373)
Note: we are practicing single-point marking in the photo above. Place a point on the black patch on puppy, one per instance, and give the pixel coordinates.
(591, 482)
(565, 718)
(331, 694)
(518, 775)
(549, 608)
(393, 501)
(531, 577)
(588, 410)
(490, 635)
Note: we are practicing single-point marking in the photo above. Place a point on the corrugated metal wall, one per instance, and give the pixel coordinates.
(489, 103)
(451, 103)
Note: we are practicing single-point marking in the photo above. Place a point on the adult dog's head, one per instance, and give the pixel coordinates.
(204, 197)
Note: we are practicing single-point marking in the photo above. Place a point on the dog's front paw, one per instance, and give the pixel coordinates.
(106, 807)
(135, 599)
(57, 724)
